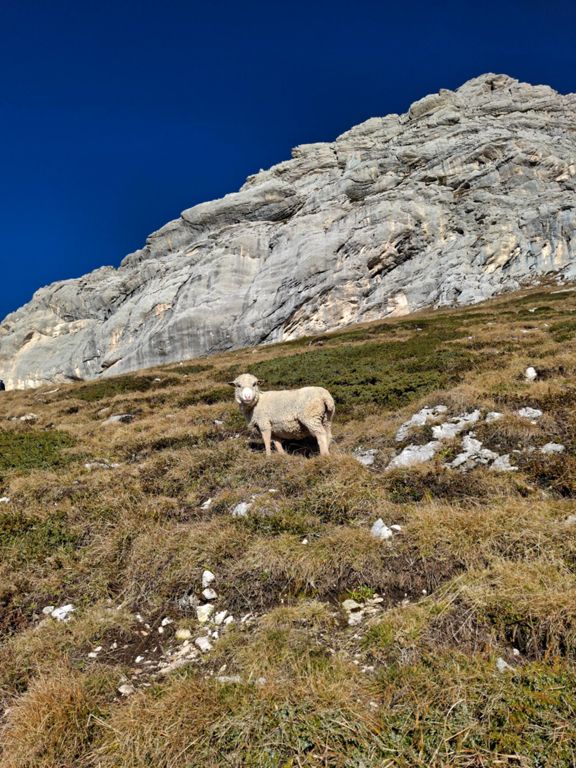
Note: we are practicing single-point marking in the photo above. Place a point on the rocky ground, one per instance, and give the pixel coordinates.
(171, 597)
(468, 194)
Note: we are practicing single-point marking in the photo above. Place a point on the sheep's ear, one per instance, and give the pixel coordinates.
(260, 381)
(232, 383)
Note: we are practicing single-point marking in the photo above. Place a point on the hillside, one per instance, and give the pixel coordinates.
(448, 642)
(468, 194)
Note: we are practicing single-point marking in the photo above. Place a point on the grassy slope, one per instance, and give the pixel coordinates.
(485, 562)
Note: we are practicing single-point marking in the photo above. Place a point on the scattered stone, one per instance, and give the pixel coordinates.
(493, 416)
(503, 666)
(47, 610)
(304, 541)
(166, 621)
(553, 448)
(63, 613)
(381, 531)
(455, 426)
(367, 457)
(502, 464)
(530, 413)
(209, 594)
(472, 455)
(203, 612)
(419, 420)
(219, 618)
(203, 643)
(397, 528)
(241, 509)
(206, 504)
(119, 418)
(29, 418)
(183, 634)
(530, 374)
(4, 500)
(126, 689)
(229, 620)
(351, 605)
(570, 520)
(207, 578)
(218, 422)
(230, 679)
(415, 454)
(91, 465)
(138, 659)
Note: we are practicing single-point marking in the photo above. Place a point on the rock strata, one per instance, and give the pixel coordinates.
(468, 194)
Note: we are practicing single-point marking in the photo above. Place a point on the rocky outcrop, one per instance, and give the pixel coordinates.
(469, 194)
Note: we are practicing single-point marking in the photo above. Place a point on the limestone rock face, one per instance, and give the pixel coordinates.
(468, 194)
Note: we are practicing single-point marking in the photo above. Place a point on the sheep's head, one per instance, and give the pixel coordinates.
(246, 389)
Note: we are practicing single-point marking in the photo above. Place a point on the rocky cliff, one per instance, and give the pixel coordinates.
(468, 194)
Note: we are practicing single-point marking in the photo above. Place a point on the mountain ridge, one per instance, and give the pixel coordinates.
(468, 194)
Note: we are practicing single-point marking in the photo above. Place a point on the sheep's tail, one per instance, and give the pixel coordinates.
(329, 407)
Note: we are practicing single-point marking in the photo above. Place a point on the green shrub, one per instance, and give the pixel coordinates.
(118, 385)
(33, 449)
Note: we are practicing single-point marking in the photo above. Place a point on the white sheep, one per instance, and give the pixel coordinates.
(290, 414)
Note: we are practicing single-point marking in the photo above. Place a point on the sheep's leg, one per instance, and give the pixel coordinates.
(278, 446)
(267, 437)
(321, 435)
(323, 442)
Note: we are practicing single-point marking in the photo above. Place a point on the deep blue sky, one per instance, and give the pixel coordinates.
(115, 116)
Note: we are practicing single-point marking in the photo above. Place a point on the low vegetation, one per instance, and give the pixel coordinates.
(452, 643)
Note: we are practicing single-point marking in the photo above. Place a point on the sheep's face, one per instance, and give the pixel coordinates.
(246, 389)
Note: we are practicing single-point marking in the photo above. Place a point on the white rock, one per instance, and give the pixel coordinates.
(230, 679)
(415, 454)
(493, 416)
(126, 689)
(207, 504)
(530, 374)
(166, 622)
(207, 579)
(473, 454)
(47, 610)
(209, 594)
(381, 531)
(456, 425)
(29, 417)
(367, 457)
(570, 520)
(396, 527)
(355, 618)
(530, 413)
(63, 613)
(304, 541)
(138, 659)
(503, 666)
(502, 464)
(203, 612)
(183, 634)
(241, 509)
(351, 605)
(553, 448)
(219, 617)
(203, 643)
(5, 500)
(229, 620)
(92, 655)
(419, 420)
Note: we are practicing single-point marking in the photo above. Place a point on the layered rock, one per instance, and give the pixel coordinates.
(468, 194)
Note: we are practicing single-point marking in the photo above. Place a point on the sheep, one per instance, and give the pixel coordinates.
(290, 414)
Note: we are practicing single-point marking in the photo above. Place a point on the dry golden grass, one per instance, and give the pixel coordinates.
(484, 562)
